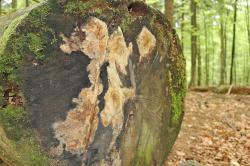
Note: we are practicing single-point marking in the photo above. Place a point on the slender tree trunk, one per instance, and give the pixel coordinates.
(235, 77)
(248, 34)
(206, 51)
(182, 25)
(193, 43)
(169, 7)
(225, 42)
(213, 55)
(0, 7)
(14, 4)
(27, 4)
(245, 68)
(222, 53)
(233, 45)
(199, 63)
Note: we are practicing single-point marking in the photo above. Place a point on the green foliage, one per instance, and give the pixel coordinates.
(14, 120)
(210, 14)
(35, 37)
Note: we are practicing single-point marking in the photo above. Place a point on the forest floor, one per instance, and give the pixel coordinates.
(215, 131)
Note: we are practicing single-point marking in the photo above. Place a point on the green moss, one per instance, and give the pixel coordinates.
(176, 79)
(78, 7)
(16, 126)
(9, 31)
(5, 59)
(127, 21)
(177, 106)
(30, 152)
(26, 35)
(14, 120)
(35, 35)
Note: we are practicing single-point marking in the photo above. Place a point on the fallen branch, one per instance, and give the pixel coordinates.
(241, 90)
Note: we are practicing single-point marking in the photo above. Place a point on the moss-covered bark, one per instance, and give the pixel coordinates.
(94, 82)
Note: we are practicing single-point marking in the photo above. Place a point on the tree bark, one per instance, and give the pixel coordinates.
(233, 45)
(248, 34)
(199, 78)
(0, 7)
(103, 84)
(223, 53)
(27, 3)
(182, 25)
(213, 60)
(206, 51)
(169, 8)
(14, 4)
(193, 5)
(223, 42)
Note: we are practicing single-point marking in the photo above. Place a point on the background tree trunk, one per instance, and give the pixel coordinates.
(27, 4)
(169, 8)
(233, 45)
(182, 25)
(0, 7)
(248, 34)
(103, 84)
(193, 5)
(14, 4)
(199, 63)
(223, 53)
(206, 51)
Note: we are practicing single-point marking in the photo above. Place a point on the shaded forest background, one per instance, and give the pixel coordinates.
(215, 37)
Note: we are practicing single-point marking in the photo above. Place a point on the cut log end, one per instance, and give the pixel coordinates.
(103, 83)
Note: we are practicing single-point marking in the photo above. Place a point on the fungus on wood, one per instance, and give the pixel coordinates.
(89, 82)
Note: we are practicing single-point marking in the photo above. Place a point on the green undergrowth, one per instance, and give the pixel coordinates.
(15, 122)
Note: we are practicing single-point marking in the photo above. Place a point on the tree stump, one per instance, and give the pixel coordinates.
(89, 82)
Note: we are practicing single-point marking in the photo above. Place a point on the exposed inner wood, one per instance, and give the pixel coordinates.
(77, 131)
(146, 43)
(83, 120)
